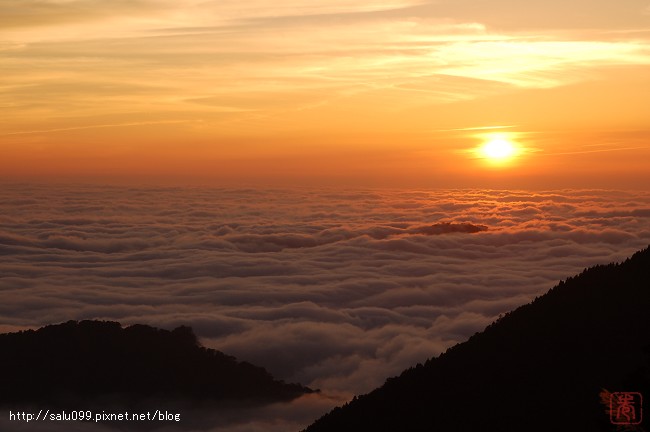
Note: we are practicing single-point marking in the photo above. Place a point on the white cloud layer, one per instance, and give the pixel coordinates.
(335, 289)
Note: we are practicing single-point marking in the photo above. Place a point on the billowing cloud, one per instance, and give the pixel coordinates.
(335, 290)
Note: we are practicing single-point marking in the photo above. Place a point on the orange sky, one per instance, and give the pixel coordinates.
(306, 91)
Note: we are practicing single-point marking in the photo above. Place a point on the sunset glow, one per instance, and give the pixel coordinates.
(325, 91)
(329, 193)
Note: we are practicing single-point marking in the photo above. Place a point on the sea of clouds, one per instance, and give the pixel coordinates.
(335, 289)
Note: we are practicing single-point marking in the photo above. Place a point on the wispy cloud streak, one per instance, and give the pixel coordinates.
(296, 54)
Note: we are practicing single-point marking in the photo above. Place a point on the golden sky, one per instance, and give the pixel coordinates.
(396, 92)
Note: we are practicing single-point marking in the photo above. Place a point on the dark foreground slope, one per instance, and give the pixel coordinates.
(542, 367)
(77, 363)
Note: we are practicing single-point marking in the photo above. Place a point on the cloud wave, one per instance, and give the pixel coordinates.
(337, 290)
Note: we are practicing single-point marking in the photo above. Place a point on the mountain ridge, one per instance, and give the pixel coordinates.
(86, 362)
(543, 366)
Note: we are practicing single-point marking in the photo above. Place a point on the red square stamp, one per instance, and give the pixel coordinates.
(626, 408)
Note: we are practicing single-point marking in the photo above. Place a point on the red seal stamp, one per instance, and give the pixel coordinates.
(626, 408)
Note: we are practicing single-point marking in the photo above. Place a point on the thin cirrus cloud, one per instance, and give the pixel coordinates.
(264, 62)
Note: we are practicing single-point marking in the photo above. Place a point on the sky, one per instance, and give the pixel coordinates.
(334, 190)
(389, 93)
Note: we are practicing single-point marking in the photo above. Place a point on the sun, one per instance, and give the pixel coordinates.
(498, 149)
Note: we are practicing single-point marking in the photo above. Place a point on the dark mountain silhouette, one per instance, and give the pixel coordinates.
(543, 367)
(77, 363)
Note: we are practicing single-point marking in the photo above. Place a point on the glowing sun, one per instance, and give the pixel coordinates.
(498, 149)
